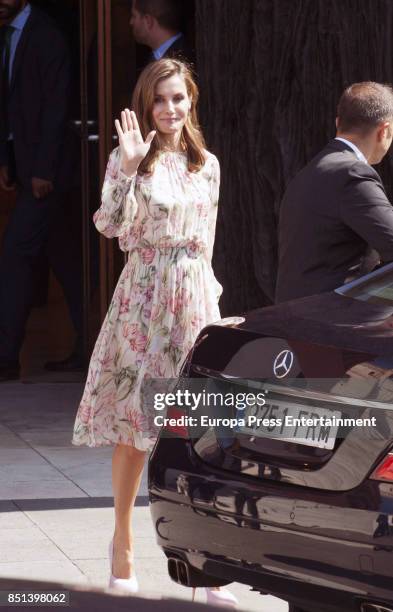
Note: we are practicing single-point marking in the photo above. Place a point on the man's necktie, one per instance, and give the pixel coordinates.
(5, 55)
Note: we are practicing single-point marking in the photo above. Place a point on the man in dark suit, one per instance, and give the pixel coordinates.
(158, 24)
(34, 90)
(336, 208)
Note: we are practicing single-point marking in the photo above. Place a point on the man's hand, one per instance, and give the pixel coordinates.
(41, 187)
(5, 179)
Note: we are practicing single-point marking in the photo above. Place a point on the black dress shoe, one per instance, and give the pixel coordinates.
(9, 371)
(73, 363)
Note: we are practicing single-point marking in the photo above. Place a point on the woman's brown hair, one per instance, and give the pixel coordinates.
(191, 140)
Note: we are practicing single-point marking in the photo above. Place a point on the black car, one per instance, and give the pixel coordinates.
(304, 513)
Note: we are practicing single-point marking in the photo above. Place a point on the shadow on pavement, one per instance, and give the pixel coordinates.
(64, 504)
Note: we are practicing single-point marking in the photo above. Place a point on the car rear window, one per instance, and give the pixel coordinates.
(376, 287)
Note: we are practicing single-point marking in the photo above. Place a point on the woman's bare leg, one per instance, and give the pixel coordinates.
(127, 467)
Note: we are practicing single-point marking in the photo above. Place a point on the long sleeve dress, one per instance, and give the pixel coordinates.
(165, 295)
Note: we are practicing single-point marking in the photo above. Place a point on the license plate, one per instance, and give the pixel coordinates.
(292, 423)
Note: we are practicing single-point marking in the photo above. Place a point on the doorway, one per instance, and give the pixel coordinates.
(105, 64)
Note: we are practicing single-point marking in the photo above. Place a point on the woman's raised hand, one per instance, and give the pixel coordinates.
(133, 148)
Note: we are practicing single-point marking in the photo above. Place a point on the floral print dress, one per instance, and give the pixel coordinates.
(165, 295)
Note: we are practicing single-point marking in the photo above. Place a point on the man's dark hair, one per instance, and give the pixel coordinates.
(169, 13)
(363, 106)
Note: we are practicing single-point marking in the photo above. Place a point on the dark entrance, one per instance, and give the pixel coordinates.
(105, 64)
(103, 69)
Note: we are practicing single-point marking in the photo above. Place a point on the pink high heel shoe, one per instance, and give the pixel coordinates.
(127, 585)
(220, 597)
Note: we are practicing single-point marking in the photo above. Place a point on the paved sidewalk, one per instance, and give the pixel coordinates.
(56, 506)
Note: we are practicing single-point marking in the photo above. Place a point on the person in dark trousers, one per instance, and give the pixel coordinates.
(336, 208)
(158, 25)
(34, 89)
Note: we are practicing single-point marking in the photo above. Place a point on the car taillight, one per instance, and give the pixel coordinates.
(176, 422)
(385, 469)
